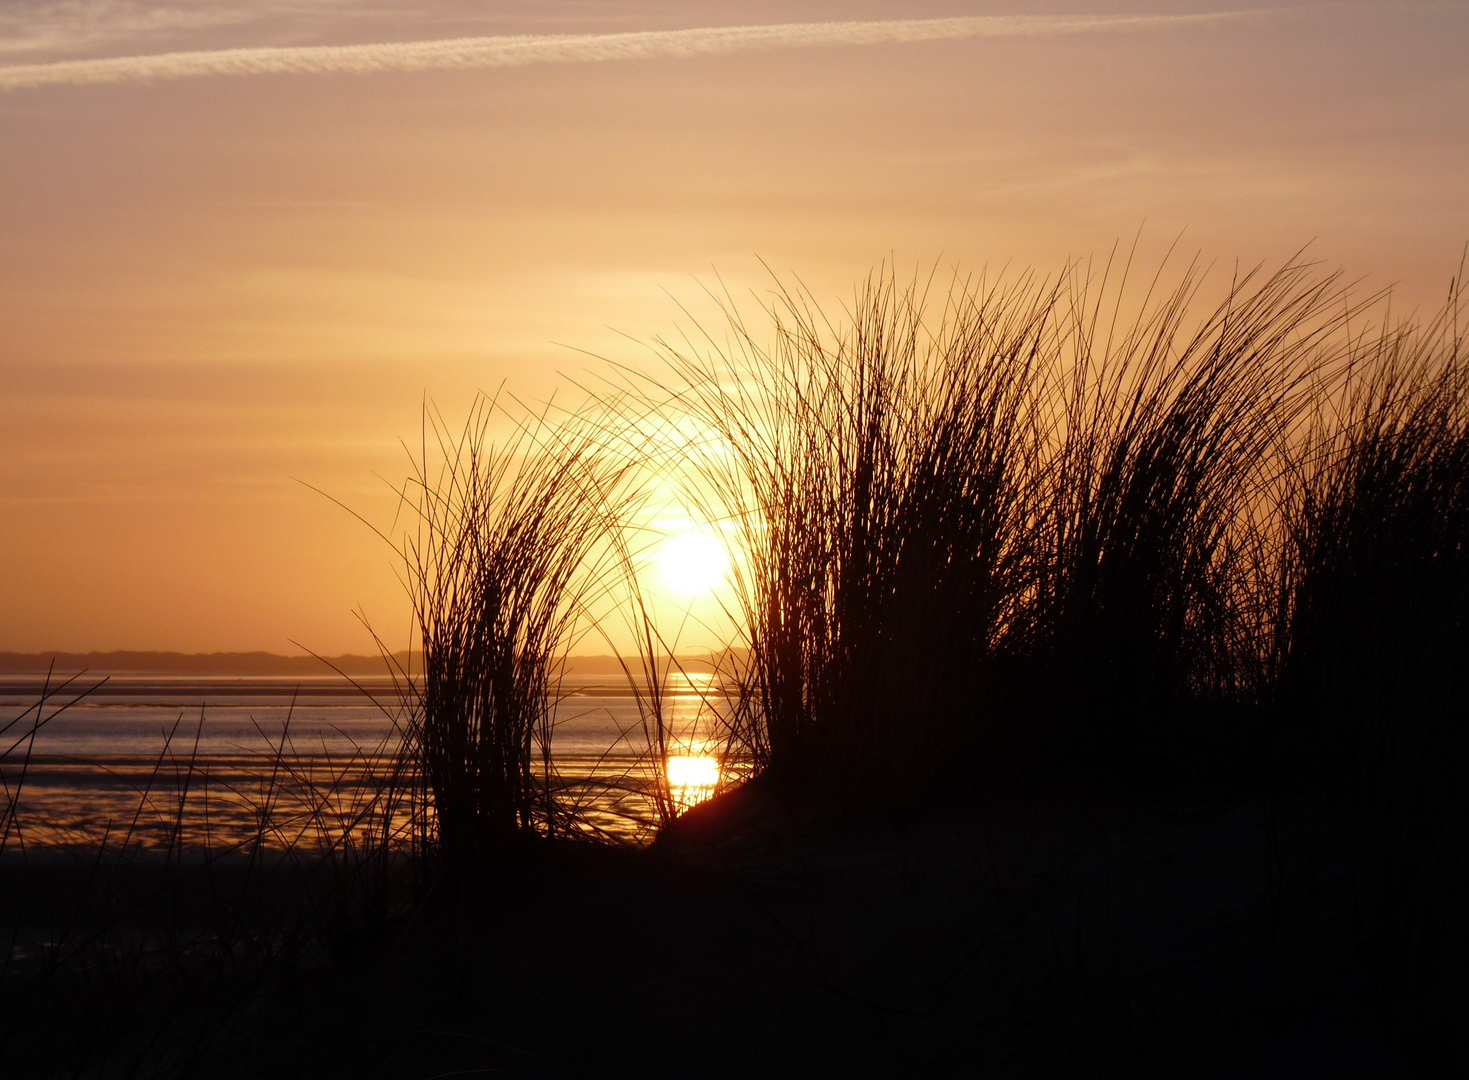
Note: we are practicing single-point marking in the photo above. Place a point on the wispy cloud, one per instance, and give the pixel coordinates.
(490, 52)
(51, 26)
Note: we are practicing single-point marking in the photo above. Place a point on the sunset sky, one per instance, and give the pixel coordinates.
(218, 285)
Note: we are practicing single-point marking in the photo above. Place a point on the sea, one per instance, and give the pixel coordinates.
(195, 763)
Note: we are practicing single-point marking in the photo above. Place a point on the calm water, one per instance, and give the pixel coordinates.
(128, 756)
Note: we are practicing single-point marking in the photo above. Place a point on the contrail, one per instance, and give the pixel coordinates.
(490, 52)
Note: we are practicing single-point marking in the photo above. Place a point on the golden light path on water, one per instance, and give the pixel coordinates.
(692, 779)
(691, 763)
(109, 766)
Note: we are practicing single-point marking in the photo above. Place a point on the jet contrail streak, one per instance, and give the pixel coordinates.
(489, 52)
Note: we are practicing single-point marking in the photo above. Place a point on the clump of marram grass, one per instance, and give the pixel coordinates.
(505, 553)
(1010, 522)
(878, 479)
(1374, 657)
(1164, 445)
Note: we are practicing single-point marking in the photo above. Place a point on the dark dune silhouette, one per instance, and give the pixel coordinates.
(1101, 685)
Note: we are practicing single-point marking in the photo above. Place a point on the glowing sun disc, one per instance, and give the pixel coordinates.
(693, 562)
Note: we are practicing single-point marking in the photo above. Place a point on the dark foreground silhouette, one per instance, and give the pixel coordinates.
(1106, 688)
(1034, 933)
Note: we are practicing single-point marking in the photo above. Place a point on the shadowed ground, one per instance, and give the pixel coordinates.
(1030, 935)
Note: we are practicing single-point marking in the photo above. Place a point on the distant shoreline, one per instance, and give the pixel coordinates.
(125, 662)
(129, 662)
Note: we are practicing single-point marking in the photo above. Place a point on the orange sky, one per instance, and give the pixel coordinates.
(212, 287)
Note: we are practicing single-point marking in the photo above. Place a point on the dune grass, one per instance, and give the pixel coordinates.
(510, 544)
(1002, 518)
(1374, 668)
(876, 479)
(1015, 532)
(1163, 456)
(1041, 530)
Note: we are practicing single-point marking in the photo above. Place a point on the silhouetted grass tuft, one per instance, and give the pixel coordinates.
(511, 541)
(1164, 449)
(1374, 672)
(1009, 523)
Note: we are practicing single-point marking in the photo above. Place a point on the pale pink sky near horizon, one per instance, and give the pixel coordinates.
(216, 287)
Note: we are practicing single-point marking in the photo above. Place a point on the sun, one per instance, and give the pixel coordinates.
(693, 562)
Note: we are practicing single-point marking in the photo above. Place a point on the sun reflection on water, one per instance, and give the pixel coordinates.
(692, 779)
